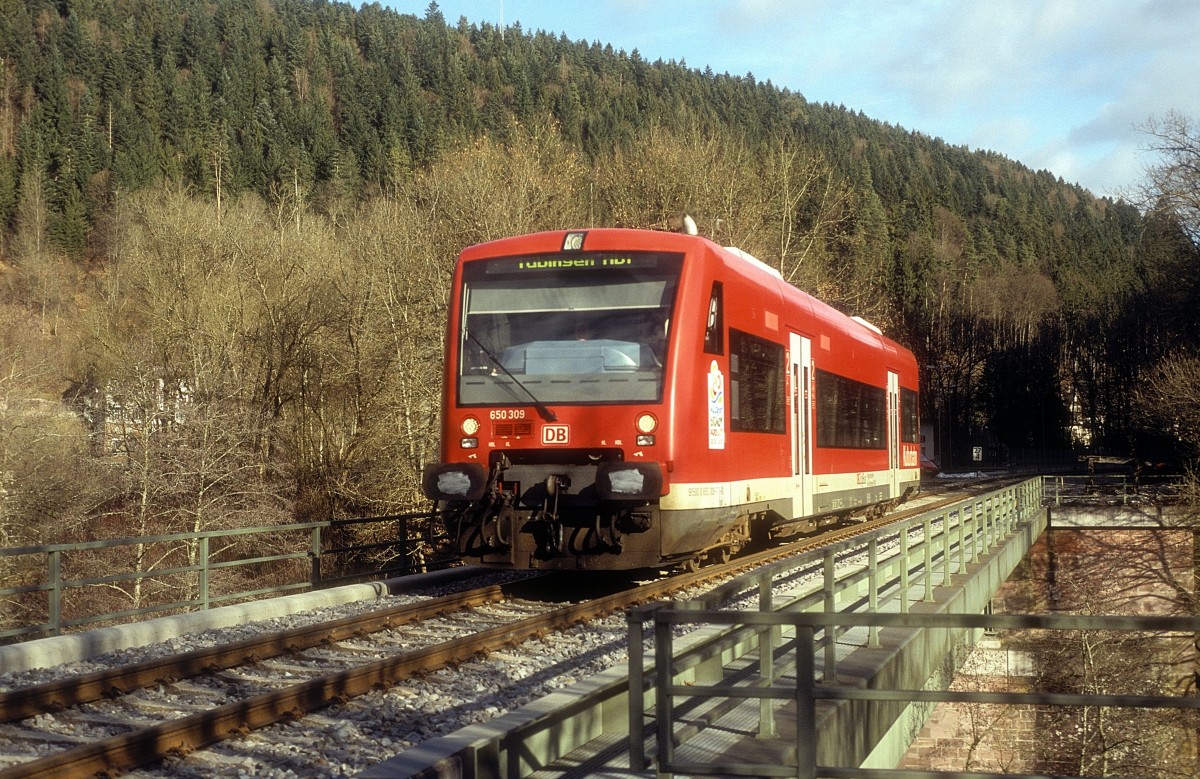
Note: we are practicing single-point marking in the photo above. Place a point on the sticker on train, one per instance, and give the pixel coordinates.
(716, 407)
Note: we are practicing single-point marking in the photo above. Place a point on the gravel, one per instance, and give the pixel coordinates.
(342, 740)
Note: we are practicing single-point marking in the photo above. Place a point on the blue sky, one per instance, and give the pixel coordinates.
(1060, 85)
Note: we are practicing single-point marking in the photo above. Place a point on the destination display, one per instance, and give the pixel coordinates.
(573, 262)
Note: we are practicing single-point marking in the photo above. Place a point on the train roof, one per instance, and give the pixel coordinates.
(851, 327)
(736, 260)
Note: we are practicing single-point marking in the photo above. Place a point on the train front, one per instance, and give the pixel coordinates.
(553, 413)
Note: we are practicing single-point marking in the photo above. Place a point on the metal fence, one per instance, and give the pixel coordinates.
(783, 657)
(1120, 488)
(808, 682)
(888, 569)
(193, 571)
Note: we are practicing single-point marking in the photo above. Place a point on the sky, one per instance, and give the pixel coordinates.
(1058, 85)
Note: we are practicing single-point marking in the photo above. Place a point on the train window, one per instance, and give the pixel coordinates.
(910, 420)
(714, 328)
(578, 328)
(756, 384)
(850, 414)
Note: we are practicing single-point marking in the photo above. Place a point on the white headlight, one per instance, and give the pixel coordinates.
(454, 483)
(628, 481)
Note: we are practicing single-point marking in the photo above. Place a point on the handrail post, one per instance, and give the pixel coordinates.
(873, 585)
(314, 555)
(203, 573)
(962, 540)
(664, 700)
(830, 630)
(976, 532)
(54, 574)
(637, 691)
(806, 704)
(946, 549)
(411, 560)
(767, 641)
(979, 548)
(928, 529)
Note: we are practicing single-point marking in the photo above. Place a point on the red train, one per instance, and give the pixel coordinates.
(624, 399)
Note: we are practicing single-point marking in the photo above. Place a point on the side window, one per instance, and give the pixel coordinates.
(850, 414)
(714, 327)
(910, 421)
(756, 392)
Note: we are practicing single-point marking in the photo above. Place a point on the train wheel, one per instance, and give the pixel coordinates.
(720, 555)
(691, 566)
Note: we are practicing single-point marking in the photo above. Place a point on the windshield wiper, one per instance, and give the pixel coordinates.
(543, 411)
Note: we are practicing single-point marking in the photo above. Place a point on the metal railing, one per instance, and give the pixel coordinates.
(1123, 488)
(812, 683)
(302, 556)
(887, 569)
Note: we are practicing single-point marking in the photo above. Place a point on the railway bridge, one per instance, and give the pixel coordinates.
(826, 664)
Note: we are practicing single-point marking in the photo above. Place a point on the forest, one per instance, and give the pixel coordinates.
(227, 229)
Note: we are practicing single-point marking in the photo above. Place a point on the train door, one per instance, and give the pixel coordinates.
(893, 431)
(800, 349)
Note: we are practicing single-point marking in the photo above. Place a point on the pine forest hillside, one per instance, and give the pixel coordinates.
(227, 228)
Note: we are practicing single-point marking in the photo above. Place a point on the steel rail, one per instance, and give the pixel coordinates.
(141, 747)
(107, 683)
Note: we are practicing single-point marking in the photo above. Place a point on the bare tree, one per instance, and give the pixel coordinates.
(1169, 399)
(175, 351)
(781, 202)
(1016, 300)
(48, 482)
(1173, 182)
(398, 292)
(663, 173)
(492, 189)
(812, 212)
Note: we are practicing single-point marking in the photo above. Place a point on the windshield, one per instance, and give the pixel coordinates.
(570, 328)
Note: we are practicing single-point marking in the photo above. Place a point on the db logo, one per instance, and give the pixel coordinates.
(556, 435)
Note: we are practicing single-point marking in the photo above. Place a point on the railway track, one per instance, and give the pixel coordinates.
(118, 719)
(153, 726)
